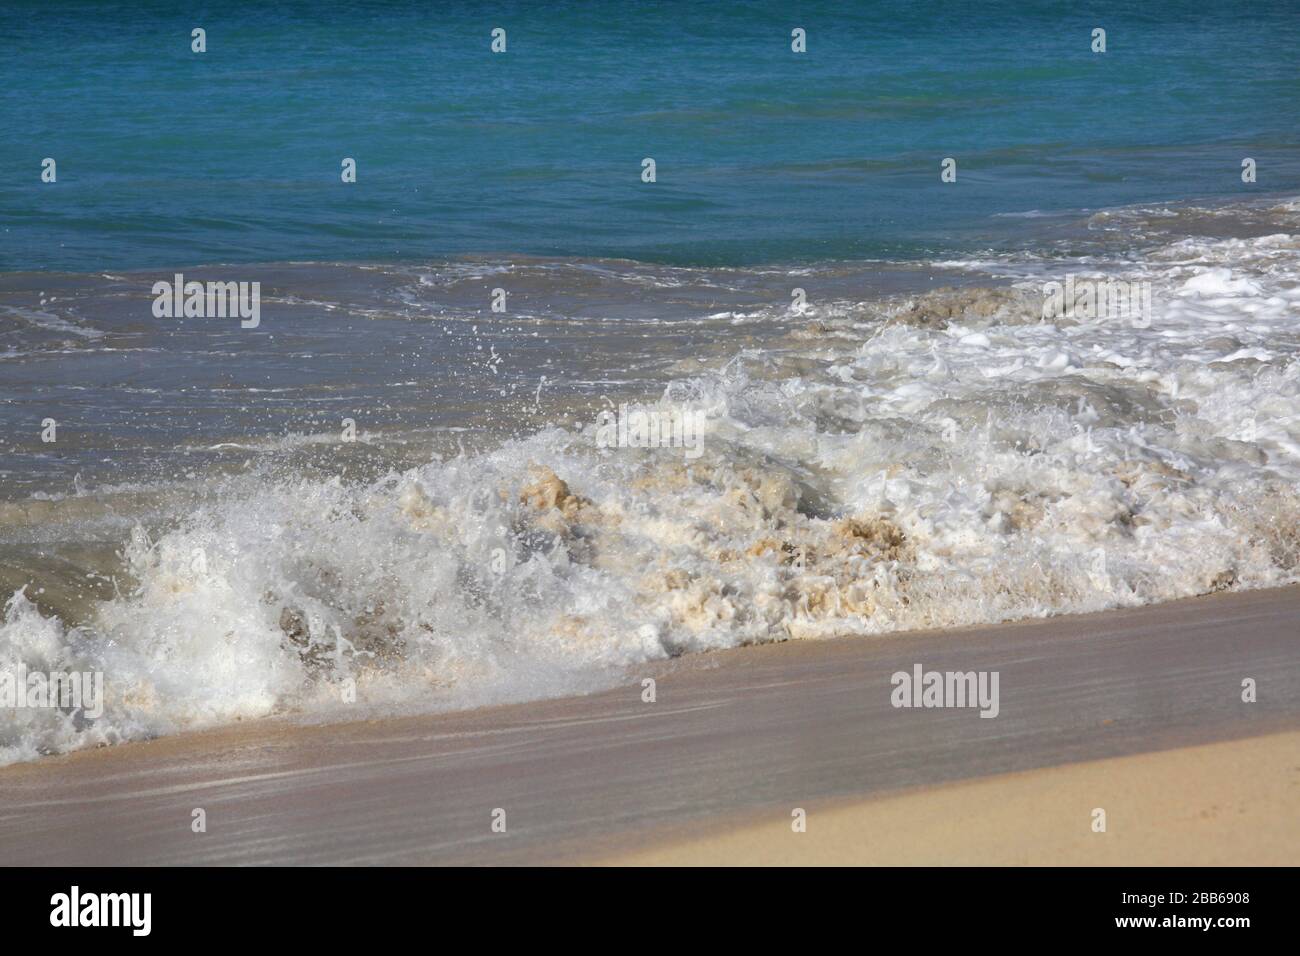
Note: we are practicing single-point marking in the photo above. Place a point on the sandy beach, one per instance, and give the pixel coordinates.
(1226, 804)
(1136, 711)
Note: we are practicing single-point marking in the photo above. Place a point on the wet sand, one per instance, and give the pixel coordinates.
(736, 738)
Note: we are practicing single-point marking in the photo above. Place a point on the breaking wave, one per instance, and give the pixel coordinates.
(912, 461)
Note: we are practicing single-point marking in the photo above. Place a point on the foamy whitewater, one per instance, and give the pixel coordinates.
(905, 461)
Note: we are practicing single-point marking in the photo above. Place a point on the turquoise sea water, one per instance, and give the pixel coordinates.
(170, 158)
(388, 481)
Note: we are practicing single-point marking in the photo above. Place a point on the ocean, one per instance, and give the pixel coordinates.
(424, 478)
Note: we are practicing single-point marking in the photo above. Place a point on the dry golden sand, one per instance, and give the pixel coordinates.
(1234, 803)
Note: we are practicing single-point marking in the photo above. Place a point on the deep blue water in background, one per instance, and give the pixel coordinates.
(166, 157)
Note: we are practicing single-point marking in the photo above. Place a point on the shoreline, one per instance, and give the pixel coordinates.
(698, 661)
(1224, 804)
(586, 778)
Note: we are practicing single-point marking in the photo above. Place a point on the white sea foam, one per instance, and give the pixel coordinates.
(938, 461)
